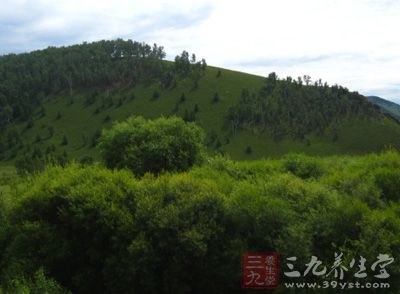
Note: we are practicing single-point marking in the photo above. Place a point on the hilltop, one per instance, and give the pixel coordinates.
(55, 102)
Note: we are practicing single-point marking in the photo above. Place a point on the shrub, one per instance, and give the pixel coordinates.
(388, 180)
(182, 98)
(40, 284)
(302, 166)
(71, 221)
(64, 140)
(215, 98)
(155, 95)
(107, 118)
(95, 230)
(164, 144)
(91, 98)
(86, 160)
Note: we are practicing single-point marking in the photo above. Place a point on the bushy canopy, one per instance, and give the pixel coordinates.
(164, 144)
(96, 230)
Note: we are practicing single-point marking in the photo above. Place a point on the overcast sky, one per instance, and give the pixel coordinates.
(354, 43)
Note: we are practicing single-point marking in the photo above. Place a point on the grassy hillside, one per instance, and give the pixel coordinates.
(67, 120)
(70, 117)
(90, 229)
(387, 106)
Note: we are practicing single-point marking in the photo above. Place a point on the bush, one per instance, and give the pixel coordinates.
(100, 231)
(388, 180)
(95, 230)
(302, 166)
(40, 284)
(155, 95)
(164, 144)
(86, 160)
(71, 221)
(215, 98)
(64, 140)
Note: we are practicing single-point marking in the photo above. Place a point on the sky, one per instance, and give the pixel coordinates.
(353, 43)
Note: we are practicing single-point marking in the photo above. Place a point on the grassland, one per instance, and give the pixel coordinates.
(70, 116)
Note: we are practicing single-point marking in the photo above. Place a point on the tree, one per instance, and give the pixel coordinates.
(51, 131)
(107, 118)
(42, 112)
(203, 64)
(37, 75)
(3, 148)
(287, 108)
(64, 140)
(189, 116)
(6, 115)
(216, 98)
(29, 124)
(95, 138)
(248, 150)
(155, 95)
(307, 79)
(38, 138)
(91, 98)
(183, 98)
(182, 64)
(164, 144)
(13, 138)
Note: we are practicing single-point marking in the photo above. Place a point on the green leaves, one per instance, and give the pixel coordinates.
(388, 180)
(93, 229)
(165, 144)
(37, 74)
(302, 166)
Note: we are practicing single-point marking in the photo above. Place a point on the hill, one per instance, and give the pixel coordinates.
(55, 102)
(386, 106)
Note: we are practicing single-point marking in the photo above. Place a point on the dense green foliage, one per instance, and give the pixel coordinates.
(40, 284)
(26, 79)
(93, 230)
(88, 229)
(164, 144)
(290, 108)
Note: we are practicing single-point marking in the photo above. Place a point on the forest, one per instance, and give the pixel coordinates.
(27, 79)
(295, 108)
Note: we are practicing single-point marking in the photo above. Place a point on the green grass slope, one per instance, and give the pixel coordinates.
(71, 117)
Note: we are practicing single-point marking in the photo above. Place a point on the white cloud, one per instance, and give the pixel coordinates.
(353, 43)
